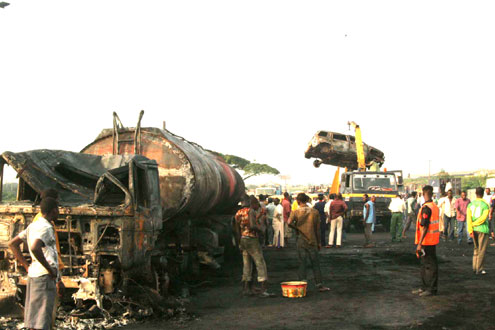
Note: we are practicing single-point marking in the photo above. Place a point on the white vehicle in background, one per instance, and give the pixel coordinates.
(267, 191)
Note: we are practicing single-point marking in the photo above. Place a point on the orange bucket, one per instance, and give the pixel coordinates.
(294, 289)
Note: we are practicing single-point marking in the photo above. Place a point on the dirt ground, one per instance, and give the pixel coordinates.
(370, 289)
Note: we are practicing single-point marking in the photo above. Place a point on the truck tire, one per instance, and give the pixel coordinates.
(385, 221)
(357, 224)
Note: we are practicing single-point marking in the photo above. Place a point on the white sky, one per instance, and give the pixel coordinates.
(256, 78)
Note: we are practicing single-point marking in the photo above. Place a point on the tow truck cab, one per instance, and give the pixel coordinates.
(383, 185)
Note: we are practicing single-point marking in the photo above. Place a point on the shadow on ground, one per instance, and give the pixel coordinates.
(370, 289)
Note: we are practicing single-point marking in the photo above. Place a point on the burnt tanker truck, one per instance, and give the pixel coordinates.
(137, 205)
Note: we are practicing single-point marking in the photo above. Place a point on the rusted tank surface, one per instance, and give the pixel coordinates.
(193, 181)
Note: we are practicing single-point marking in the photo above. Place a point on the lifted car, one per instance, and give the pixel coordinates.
(338, 149)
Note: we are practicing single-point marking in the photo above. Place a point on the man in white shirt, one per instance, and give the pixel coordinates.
(421, 200)
(270, 209)
(397, 207)
(447, 205)
(412, 211)
(278, 224)
(44, 280)
(331, 197)
(488, 196)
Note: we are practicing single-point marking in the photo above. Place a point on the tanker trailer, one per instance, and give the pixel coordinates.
(199, 192)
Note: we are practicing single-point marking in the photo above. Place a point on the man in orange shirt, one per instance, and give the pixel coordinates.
(427, 238)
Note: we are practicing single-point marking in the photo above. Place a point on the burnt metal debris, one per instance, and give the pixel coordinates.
(338, 149)
(140, 210)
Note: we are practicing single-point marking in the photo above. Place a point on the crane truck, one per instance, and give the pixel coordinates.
(361, 177)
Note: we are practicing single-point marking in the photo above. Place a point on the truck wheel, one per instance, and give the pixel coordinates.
(347, 225)
(385, 223)
(358, 225)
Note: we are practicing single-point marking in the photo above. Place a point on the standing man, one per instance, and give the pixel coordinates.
(488, 199)
(412, 212)
(427, 238)
(278, 225)
(448, 207)
(331, 198)
(247, 225)
(306, 222)
(397, 207)
(320, 207)
(461, 205)
(488, 196)
(440, 203)
(270, 210)
(287, 210)
(52, 193)
(336, 214)
(479, 230)
(369, 217)
(44, 280)
(262, 220)
(421, 200)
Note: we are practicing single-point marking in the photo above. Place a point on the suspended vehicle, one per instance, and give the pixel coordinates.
(362, 176)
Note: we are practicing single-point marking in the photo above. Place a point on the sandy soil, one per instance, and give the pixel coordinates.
(370, 289)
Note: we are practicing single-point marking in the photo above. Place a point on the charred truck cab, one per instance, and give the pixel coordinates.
(140, 207)
(110, 218)
(383, 185)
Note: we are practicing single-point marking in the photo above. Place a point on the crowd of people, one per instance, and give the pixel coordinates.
(270, 222)
(453, 209)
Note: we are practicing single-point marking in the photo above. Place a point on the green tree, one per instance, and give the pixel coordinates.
(249, 169)
(473, 182)
(254, 169)
(236, 162)
(9, 192)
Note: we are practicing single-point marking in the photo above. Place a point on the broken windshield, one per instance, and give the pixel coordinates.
(375, 182)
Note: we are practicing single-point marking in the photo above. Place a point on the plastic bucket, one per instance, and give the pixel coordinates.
(294, 289)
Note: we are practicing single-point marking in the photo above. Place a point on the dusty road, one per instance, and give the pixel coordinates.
(370, 289)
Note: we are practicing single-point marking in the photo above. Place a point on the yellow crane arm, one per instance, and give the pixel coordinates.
(359, 146)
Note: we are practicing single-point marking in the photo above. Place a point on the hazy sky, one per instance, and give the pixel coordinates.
(256, 78)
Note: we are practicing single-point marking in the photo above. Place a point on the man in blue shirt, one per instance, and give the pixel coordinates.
(320, 207)
(369, 217)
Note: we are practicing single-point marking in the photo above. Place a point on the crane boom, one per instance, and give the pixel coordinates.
(359, 146)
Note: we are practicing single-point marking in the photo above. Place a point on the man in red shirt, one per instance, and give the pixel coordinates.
(248, 229)
(461, 205)
(336, 215)
(287, 210)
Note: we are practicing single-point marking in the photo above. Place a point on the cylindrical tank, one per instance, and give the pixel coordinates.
(193, 181)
